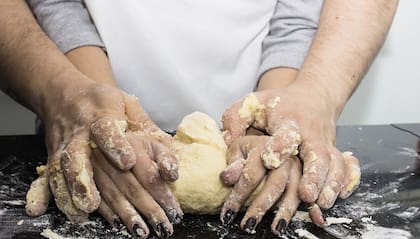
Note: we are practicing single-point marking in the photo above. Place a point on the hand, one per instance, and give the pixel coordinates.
(246, 171)
(126, 193)
(299, 115)
(91, 114)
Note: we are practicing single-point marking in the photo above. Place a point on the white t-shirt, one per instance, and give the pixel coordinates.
(186, 56)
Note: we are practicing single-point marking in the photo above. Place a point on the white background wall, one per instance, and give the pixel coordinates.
(388, 94)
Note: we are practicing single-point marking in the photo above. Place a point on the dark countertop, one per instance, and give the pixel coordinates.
(389, 158)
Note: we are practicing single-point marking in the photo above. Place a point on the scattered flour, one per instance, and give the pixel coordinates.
(14, 202)
(338, 220)
(305, 234)
(48, 233)
(378, 232)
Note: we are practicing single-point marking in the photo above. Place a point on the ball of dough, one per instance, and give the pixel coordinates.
(201, 153)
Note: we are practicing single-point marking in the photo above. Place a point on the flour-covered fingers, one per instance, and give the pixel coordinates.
(60, 191)
(251, 176)
(316, 162)
(119, 204)
(240, 116)
(135, 193)
(282, 145)
(334, 182)
(75, 162)
(236, 162)
(275, 183)
(290, 201)
(316, 215)
(139, 121)
(109, 214)
(165, 160)
(38, 195)
(352, 175)
(152, 149)
(108, 135)
(147, 173)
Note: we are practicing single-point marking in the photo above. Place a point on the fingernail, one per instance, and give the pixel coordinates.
(281, 226)
(250, 225)
(174, 216)
(138, 231)
(162, 231)
(228, 217)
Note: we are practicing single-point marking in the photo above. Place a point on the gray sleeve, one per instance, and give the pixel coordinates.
(292, 27)
(66, 22)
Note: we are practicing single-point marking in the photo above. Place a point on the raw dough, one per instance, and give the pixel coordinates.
(201, 152)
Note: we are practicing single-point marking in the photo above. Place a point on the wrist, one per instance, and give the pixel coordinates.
(62, 90)
(334, 96)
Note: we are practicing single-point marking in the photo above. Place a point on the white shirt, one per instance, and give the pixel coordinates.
(186, 56)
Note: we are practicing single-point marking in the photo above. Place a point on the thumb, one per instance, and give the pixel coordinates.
(237, 118)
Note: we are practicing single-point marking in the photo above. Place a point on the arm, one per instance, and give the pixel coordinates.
(305, 112)
(67, 23)
(292, 28)
(350, 35)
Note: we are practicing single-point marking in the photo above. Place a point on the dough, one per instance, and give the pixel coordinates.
(201, 153)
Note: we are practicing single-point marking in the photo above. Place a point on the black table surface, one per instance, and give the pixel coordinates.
(389, 160)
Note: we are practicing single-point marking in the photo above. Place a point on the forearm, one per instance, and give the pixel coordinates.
(33, 70)
(93, 62)
(349, 36)
(277, 78)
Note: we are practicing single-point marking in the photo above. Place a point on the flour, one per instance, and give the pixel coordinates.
(48, 233)
(305, 234)
(378, 232)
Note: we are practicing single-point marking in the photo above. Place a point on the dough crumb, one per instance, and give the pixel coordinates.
(20, 222)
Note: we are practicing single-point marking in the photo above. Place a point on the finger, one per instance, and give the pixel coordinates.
(240, 116)
(38, 195)
(150, 148)
(316, 215)
(109, 214)
(165, 160)
(60, 191)
(315, 168)
(236, 161)
(352, 175)
(273, 188)
(334, 182)
(119, 204)
(147, 173)
(77, 169)
(136, 195)
(283, 143)
(139, 120)
(252, 175)
(108, 134)
(290, 202)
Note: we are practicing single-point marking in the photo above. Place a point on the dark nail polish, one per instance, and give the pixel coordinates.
(281, 226)
(138, 231)
(174, 216)
(116, 222)
(162, 231)
(250, 225)
(228, 217)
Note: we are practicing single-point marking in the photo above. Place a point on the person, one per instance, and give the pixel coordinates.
(318, 91)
